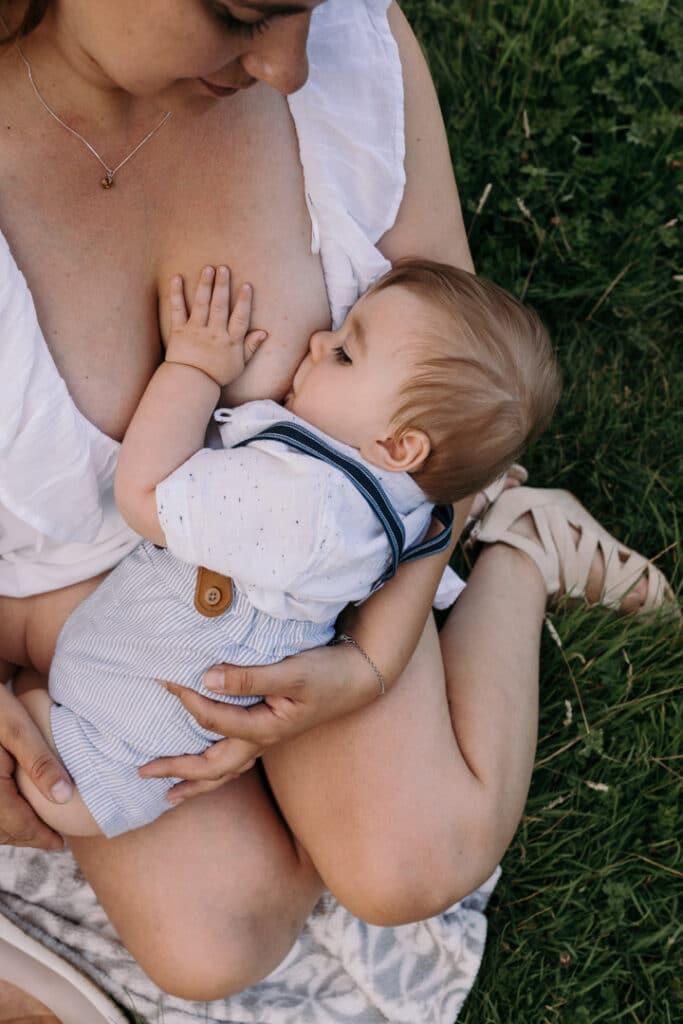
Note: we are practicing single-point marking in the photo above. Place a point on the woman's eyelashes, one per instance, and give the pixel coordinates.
(342, 355)
(229, 21)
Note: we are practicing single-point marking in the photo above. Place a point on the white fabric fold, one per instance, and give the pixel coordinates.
(49, 467)
(350, 127)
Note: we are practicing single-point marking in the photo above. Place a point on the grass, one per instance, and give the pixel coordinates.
(571, 112)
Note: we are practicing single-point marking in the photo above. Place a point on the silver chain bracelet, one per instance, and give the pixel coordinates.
(344, 638)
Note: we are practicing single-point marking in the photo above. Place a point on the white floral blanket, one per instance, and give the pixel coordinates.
(341, 971)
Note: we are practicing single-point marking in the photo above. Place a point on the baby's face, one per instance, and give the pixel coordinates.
(349, 382)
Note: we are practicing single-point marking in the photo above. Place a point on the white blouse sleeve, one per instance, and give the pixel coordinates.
(349, 120)
(48, 477)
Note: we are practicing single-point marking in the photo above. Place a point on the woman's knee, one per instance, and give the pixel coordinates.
(399, 883)
(201, 964)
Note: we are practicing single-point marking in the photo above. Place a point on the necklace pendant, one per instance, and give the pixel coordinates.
(107, 181)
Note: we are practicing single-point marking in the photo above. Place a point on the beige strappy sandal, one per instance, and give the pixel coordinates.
(490, 494)
(565, 561)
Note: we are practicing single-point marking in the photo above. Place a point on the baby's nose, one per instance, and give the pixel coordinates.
(317, 344)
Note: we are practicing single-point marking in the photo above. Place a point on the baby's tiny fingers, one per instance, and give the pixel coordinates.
(240, 318)
(177, 299)
(220, 300)
(199, 313)
(252, 342)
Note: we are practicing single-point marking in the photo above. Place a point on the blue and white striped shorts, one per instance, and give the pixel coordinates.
(110, 716)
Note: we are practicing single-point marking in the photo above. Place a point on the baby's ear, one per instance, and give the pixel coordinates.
(403, 453)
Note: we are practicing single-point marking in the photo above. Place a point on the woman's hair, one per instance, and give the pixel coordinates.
(33, 15)
(486, 382)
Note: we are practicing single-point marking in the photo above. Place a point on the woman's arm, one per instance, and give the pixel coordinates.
(317, 686)
(429, 221)
(307, 689)
(206, 351)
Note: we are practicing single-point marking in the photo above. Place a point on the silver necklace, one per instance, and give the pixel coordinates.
(109, 172)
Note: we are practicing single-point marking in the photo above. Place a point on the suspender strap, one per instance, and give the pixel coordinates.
(445, 515)
(368, 486)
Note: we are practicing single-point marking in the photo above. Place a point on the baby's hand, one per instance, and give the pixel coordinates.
(213, 339)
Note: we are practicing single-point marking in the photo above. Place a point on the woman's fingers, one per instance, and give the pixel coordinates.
(19, 826)
(257, 724)
(299, 693)
(184, 790)
(290, 676)
(20, 740)
(220, 763)
(23, 740)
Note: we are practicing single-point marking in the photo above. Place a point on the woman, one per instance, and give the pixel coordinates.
(425, 787)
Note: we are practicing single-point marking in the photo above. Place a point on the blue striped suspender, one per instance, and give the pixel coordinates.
(369, 487)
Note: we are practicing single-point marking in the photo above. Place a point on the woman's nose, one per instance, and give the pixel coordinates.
(278, 56)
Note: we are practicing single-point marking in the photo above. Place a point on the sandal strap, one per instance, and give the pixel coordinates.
(492, 491)
(559, 555)
(512, 504)
(622, 575)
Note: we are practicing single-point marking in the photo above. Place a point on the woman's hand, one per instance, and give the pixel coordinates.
(22, 742)
(299, 693)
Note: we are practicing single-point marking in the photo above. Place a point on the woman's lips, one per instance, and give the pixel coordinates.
(219, 90)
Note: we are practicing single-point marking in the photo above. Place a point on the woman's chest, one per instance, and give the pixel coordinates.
(223, 188)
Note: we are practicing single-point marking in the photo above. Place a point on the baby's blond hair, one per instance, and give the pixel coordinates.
(486, 382)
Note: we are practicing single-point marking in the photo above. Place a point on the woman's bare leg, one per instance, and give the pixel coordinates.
(408, 805)
(399, 816)
(210, 897)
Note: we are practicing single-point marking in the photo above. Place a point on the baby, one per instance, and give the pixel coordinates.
(433, 384)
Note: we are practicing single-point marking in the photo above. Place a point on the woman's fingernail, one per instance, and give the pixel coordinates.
(174, 800)
(62, 792)
(213, 679)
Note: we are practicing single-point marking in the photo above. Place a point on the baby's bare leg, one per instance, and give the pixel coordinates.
(72, 818)
(29, 626)
(49, 613)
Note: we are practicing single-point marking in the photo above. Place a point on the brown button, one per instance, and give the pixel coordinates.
(213, 592)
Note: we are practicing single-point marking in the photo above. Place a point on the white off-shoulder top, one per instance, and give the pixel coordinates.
(58, 520)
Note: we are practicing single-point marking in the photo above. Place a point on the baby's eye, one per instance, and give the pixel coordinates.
(341, 355)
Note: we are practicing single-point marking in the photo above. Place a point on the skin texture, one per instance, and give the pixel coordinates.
(399, 805)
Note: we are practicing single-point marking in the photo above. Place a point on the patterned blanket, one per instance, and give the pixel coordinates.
(340, 969)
